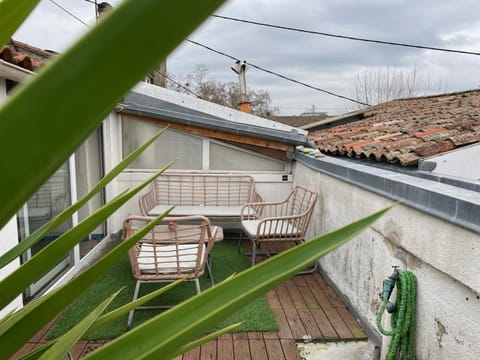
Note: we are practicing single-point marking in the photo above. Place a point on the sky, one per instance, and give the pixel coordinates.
(328, 63)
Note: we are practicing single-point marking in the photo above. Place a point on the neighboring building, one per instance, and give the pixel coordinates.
(436, 133)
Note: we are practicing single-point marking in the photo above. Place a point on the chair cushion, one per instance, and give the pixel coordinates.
(163, 259)
(269, 228)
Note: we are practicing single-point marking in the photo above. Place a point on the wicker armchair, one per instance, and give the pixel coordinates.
(278, 222)
(177, 248)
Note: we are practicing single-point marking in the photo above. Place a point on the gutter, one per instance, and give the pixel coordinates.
(14, 72)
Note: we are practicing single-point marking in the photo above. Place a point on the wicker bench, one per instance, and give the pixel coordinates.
(219, 197)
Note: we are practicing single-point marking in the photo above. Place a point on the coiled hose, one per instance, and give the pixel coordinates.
(402, 345)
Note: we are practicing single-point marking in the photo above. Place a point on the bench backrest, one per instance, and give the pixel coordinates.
(203, 189)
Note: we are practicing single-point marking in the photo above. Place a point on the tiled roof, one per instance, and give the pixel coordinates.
(298, 120)
(24, 55)
(406, 130)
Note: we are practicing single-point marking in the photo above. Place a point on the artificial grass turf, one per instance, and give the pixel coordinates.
(256, 316)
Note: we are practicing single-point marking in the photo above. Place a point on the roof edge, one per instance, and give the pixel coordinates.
(147, 106)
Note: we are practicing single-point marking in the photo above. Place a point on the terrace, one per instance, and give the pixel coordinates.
(307, 309)
(434, 231)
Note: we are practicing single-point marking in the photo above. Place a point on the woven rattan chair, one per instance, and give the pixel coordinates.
(269, 223)
(177, 248)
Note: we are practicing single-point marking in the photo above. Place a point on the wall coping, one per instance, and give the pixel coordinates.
(458, 205)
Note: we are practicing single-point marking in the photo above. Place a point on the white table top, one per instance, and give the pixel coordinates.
(208, 211)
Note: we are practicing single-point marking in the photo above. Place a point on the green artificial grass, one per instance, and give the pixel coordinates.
(257, 316)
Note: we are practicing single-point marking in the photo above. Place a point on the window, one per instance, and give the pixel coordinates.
(51, 199)
(228, 158)
(190, 152)
(185, 149)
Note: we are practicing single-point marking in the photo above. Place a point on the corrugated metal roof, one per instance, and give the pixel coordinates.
(406, 130)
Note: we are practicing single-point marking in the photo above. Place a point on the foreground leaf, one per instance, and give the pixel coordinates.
(26, 322)
(12, 15)
(63, 116)
(66, 342)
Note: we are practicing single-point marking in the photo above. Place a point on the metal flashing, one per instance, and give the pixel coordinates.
(446, 201)
(148, 106)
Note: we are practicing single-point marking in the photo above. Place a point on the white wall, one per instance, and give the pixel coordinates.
(461, 162)
(444, 257)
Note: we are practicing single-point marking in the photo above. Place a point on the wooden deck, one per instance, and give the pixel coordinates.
(306, 307)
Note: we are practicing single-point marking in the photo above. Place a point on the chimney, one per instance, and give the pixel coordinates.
(103, 8)
(240, 67)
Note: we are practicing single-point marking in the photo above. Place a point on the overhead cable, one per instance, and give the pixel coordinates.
(234, 58)
(69, 13)
(348, 37)
(177, 83)
(279, 75)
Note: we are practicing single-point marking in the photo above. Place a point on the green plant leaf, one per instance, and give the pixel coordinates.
(190, 319)
(62, 346)
(125, 309)
(70, 96)
(121, 311)
(12, 15)
(31, 318)
(15, 283)
(64, 215)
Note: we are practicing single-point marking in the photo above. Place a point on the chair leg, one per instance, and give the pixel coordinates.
(239, 245)
(254, 252)
(312, 270)
(209, 270)
(130, 314)
(197, 286)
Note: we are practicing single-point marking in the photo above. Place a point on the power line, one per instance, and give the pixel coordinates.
(348, 37)
(234, 58)
(69, 13)
(279, 75)
(178, 84)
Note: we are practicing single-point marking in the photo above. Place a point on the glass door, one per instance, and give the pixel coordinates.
(53, 197)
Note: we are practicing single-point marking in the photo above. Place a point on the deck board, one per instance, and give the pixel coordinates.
(258, 350)
(208, 351)
(225, 349)
(274, 349)
(241, 349)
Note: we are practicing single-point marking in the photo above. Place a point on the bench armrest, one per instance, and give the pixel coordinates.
(146, 201)
(256, 198)
(256, 210)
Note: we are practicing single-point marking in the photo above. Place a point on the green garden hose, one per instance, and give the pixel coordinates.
(402, 345)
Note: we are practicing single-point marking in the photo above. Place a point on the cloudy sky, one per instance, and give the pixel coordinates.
(328, 63)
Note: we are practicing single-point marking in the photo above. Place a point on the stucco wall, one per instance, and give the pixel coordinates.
(443, 256)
